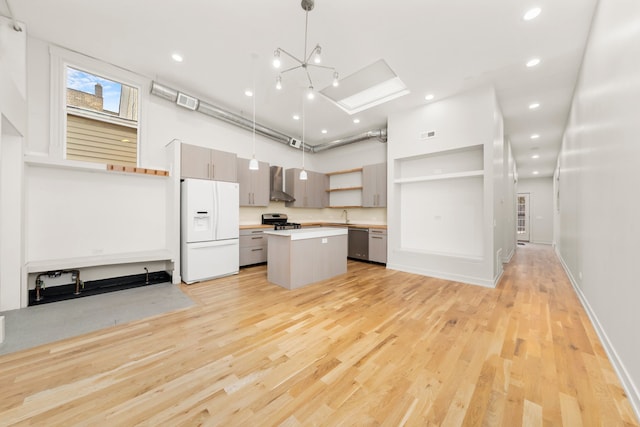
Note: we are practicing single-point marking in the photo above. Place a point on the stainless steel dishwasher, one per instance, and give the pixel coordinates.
(359, 243)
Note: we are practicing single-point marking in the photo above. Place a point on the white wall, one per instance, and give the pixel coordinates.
(472, 119)
(509, 204)
(13, 125)
(11, 255)
(598, 185)
(540, 208)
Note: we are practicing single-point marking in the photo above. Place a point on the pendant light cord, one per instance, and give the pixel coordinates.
(254, 114)
(303, 123)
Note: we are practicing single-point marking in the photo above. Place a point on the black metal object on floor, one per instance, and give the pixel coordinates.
(95, 287)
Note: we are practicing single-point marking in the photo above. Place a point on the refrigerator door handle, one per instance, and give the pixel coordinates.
(214, 243)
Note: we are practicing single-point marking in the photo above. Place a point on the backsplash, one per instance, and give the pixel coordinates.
(374, 216)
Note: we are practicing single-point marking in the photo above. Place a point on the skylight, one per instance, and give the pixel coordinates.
(371, 86)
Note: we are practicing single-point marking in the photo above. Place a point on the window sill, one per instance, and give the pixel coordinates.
(47, 162)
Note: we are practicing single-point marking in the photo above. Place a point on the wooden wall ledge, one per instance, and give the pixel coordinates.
(133, 169)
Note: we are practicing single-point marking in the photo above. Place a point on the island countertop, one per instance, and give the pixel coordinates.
(308, 233)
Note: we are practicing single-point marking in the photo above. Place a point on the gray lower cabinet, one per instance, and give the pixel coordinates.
(311, 193)
(253, 246)
(254, 185)
(378, 245)
(374, 185)
(206, 163)
(296, 263)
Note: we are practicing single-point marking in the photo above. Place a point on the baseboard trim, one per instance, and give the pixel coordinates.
(507, 259)
(439, 275)
(627, 383)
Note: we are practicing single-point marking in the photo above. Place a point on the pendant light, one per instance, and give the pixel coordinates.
(253, 163)
(303, 173)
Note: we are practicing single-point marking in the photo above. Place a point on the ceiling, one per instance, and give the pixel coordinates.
(436, 47)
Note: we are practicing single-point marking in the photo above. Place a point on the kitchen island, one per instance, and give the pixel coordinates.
(299, 257)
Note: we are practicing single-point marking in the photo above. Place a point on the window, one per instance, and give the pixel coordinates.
(101, 119)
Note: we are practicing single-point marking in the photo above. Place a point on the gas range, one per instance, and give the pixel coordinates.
(279, 221)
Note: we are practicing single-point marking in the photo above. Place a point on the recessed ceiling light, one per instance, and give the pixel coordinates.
(323, 131)
(535, 136)
(356, 121)
(533, 62)
(532, 14)
(177, 57)
(429, 97)
(536, 172)
(296, 117)
(534, 105)
(248, 92)
(535, 156)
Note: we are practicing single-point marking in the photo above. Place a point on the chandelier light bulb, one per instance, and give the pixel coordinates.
(335, 79)
(303, 175)
(276, 59)
(310, 93)
(316, 57)
(279, 82)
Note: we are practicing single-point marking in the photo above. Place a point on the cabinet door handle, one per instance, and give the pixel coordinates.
(256, 231)
(257, 238)
(256, 250)
(376, 237)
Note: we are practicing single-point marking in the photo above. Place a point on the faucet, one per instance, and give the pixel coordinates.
(346, 216)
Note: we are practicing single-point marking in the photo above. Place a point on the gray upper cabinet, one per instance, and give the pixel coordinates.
(374, 185)
(311, 193)
(206, 163)
(254, 185)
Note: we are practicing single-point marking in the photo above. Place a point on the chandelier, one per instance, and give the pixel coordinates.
(312, 60)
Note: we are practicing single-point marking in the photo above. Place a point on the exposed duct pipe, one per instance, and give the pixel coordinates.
(244, 123)
(381, 134)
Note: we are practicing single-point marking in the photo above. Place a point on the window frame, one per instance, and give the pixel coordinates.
(60, 60)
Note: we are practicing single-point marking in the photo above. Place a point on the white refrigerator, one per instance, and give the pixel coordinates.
(209, 229)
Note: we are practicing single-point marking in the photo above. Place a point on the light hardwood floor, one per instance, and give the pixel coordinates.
(371, 347)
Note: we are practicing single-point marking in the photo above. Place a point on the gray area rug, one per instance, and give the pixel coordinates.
(41, 324)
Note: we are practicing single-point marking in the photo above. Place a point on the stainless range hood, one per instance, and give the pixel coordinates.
(277, 186)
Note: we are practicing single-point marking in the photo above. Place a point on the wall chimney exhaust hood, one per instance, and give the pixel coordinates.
(277, 186)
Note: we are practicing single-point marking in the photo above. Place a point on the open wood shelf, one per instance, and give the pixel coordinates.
(344, 189)
(354, 170)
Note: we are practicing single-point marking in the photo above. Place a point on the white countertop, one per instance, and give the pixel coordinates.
(309, 233)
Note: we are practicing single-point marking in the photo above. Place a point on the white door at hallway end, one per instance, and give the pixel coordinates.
(522, 227)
